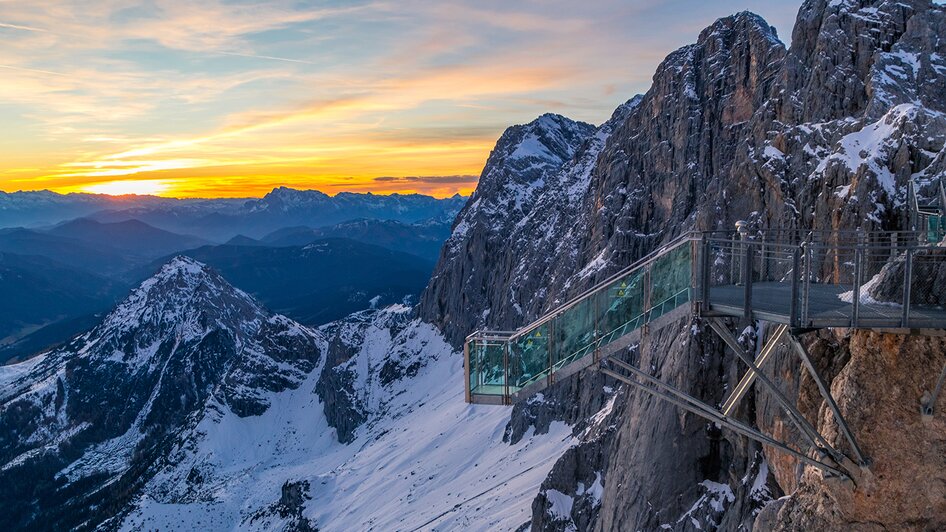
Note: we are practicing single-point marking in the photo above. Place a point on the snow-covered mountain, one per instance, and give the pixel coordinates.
(416, 456)
(192, 407)
(89, 423)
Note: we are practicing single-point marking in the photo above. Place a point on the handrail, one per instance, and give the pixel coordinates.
(863, 241)
(637, 265)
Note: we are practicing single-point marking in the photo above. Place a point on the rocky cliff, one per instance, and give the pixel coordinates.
(824, 135)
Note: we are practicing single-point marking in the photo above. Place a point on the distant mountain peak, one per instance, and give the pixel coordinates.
(184, 346)
(183, 265)
(550, 137)
(287, 192)
(185, 296)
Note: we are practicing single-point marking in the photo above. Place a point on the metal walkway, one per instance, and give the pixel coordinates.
(796, 282)
(822, 280)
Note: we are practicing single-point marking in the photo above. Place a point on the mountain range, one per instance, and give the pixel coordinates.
(61, 277)
(219, 220)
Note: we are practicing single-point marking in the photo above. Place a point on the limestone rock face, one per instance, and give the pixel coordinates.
(475, 271)
(833, 51)
(880, 391)
(824, 135)
(663, 163)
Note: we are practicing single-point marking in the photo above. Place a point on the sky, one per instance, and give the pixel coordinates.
(232, 98)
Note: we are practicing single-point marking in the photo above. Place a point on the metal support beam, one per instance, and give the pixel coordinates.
(690, 404)
(826, 394)
(743, 387)
(814, 438)
(747, 280)
(907, 286)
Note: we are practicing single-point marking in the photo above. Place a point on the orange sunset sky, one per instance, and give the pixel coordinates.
(230, 99)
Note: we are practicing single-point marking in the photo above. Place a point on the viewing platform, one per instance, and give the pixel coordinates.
(803, 281)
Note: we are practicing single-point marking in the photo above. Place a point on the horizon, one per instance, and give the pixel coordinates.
(352, 97)
(329, 194)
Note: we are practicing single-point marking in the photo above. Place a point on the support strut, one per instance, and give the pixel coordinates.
(746, 382)
(812, 435)
(826, 395)
(689, 403)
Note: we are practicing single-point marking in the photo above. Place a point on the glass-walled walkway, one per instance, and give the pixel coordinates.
(500, 365)
(832, 279)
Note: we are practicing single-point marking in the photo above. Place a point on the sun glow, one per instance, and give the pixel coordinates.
(142, 187)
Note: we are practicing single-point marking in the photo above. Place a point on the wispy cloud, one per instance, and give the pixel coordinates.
(22, 28)
(218, 97)
(269, 57)
(33, 70)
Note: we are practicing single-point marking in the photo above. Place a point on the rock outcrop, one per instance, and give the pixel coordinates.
(879, 390)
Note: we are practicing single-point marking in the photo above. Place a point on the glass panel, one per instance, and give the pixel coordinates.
(670, 281)
(471, 364)
(574, 331)
(529, 357)
(486, 367)
(621, 307)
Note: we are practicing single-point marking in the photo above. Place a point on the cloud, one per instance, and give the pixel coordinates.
(431, 179)
(19, 27)
(217, 94)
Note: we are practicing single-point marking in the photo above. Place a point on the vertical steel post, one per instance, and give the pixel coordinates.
(648, 279)
(809, 267)
(507, 398)
(550, 346)
(796, 279)
(707, 265)
(941, 230)
(596, 305)
(907, 286)
(466, 371)
(856, 298)
(763, 262)
(695, 275)
(913, 207)
(747, 295)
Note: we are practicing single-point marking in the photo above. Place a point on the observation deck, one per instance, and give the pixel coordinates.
(797, 282)
(803, 281)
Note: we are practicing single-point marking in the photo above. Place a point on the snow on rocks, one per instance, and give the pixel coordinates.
(423, 458)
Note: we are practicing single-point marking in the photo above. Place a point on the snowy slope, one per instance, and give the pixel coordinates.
(427, 461)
